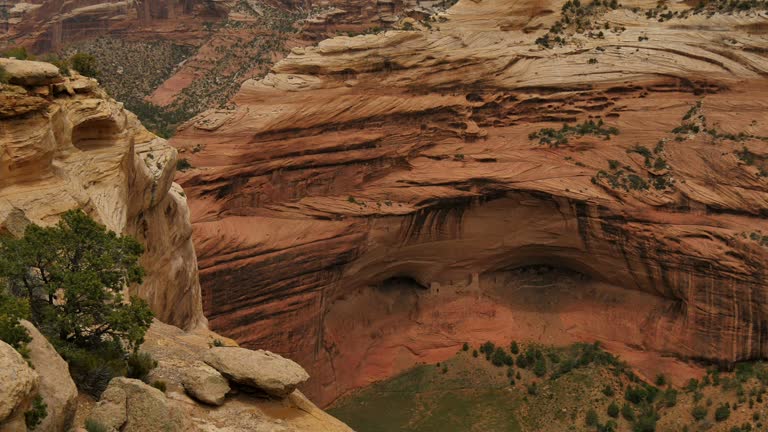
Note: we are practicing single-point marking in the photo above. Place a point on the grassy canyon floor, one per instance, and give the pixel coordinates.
(545, 388)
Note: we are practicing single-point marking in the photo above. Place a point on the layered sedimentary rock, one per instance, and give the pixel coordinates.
(380, 199)
(65, 144)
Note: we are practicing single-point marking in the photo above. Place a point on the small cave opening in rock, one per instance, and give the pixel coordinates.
(400, 282)
(535, 295)
(95, 134)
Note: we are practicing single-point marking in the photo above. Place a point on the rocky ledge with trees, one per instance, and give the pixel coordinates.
(80, 348)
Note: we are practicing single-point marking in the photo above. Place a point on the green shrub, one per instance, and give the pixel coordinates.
(81, 261)
(36, 414)
(661, 380)
(627, 412)
(591, 419)
(94, 426)
(474, 353)
(613, 409)
(19, 53)
(92, 369)
(4, 76)
(465, 347)
(12, 309)
(699, 412)
(73, 275)
(522, 361)
(499, 357)
(140, 364)
(722, 412)
(85, 64)
(670, 397)
(635, 394)
(63, 66)
(540, 368)
(533, 389)
(514, 349)
(646, 421)
(183, 165)
(160, 385)
(487, 348)
(608, 391)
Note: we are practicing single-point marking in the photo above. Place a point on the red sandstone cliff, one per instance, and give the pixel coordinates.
(378, 200)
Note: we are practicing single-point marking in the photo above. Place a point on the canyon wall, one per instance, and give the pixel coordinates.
(65, 144)
(383, 198)
(46, 26)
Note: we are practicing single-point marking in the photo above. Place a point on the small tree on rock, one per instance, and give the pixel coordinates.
(73, 276)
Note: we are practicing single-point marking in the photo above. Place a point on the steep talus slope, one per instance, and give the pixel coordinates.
(383, 198)
(67, 145)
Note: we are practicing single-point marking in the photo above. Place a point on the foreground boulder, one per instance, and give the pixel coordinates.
(18, 386)
(189, 380)
(205, 384)
(56, 386)
(129, 405)
(30, 73)
(275, 375)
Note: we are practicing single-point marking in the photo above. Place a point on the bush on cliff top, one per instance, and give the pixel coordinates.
(71, 276)
(19, 53)
(85, 64)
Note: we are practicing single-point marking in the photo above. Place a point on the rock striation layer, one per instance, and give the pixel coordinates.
(65, 144)
(383, 198)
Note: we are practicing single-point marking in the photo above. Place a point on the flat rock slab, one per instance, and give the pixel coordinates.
(30, 73)
(264, 370)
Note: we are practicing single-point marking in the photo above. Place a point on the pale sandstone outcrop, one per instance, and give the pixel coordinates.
(56, 386)
(129, 405)
(179, 353)
(205, 384)
(81, 149)
(30, 73)
(365, 161)
(259, 369)
(19, 387)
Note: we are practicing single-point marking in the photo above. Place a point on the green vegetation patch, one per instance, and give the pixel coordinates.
(68, 279)
(556, 137)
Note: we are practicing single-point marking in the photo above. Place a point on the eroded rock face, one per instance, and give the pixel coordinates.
(376, 198)
(20, 383)
(259, 369)
(56, 386)
(77, 148)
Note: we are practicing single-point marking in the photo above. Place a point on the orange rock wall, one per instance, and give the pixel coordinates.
(405, 156)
